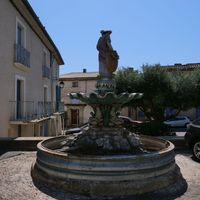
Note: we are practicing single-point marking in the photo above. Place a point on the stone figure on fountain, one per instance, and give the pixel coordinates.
(108, 58)
(108, 62)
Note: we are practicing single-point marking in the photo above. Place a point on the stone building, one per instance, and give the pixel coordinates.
(77, 112)
(182, 67)
(29, 71)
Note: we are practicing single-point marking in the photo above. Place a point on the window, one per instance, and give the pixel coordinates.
(20, 33)
(45, 66)
(44, 59)
(22, 55)
(75, 84)
(45, 93)
(19, 97)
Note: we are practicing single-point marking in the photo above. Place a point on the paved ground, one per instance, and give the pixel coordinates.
(16, 182)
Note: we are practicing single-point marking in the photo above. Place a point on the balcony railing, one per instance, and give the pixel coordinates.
(45, 109)
(29, 110)
(22, 55)
(45, 72)
(21, 110)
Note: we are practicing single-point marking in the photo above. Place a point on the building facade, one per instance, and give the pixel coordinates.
(29, 71)
(77, 112)
(182, 67)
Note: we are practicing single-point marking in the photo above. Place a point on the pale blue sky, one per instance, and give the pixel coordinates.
(144, 31)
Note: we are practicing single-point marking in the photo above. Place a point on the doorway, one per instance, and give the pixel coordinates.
(74, 117)
(46, 111)
(20, 104)
(19, 99)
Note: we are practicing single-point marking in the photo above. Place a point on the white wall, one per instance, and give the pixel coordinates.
(34, 82)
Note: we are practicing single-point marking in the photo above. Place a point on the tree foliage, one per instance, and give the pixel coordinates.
(161, 89)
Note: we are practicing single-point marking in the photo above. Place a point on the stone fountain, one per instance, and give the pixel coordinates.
(107, 160)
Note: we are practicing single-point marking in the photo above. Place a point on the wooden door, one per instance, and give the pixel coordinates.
(75, 117)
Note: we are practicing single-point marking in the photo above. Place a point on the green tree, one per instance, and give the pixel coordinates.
(184, 93)
(156, 85)
(126, 80)
(162, 89)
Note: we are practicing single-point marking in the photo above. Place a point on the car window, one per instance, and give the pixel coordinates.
(177, 119)
(181, 118)
(170, 120)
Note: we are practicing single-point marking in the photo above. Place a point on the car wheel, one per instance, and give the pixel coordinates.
(196, 150)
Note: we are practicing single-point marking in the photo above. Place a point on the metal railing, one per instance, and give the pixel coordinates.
(45, 108)
(22, 55)
(45, 72)
(29, 110)
(21, 110)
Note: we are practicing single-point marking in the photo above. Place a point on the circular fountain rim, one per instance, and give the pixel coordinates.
(169, 147)
(99, 175)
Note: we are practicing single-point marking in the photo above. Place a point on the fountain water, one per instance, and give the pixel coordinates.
(107, 160)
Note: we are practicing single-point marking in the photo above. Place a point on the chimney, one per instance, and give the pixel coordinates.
(84, 70)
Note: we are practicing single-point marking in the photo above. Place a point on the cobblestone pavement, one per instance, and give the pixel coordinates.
(16, 182)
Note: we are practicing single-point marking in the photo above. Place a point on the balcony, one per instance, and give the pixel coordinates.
(21, 112)
(45, 108)
(45, 72)
(22, 57)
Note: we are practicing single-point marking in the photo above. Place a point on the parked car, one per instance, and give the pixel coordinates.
(129, 121)
(179, 121)
(192, 138)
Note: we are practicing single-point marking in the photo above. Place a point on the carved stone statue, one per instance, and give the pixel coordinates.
(108, 58)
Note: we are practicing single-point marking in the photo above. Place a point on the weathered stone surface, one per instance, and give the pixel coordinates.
(109, 141)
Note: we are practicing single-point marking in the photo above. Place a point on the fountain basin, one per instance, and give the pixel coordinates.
(107, 176)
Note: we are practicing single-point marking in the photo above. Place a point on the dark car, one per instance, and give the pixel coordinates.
(192, 138)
